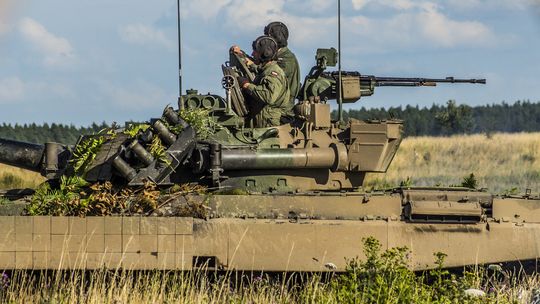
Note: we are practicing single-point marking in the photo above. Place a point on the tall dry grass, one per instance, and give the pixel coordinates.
(12, 177)
(379, 283)
(500, 162)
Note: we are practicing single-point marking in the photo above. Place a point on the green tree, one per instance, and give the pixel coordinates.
(455, 119)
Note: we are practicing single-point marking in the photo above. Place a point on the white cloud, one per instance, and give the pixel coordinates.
(446, 32)
(396, 4)
(246, 15)
(410, 23)
(418, 23)
(206, 9)
(16, 90)
(11, 90)
(359, 4)
(57, 51)
(145, 35)
(320, 5)
(492, 4)
(460, 4)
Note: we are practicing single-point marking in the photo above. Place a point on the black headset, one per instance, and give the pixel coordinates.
(266, 47)
(279, 31)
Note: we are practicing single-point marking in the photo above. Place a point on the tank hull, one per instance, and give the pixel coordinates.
(277, 233)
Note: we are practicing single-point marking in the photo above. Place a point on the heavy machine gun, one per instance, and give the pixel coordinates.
(355, 85)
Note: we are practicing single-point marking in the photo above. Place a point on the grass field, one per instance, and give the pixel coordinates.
(11, 178)
(500, 162)
(382, 278)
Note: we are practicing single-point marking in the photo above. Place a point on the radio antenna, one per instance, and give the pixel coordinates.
(340, 100)
(178, 11)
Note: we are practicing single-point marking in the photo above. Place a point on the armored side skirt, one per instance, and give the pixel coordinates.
(248, 244)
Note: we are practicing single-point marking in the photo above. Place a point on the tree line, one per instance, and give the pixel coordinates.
(60, 133)
(437, 120)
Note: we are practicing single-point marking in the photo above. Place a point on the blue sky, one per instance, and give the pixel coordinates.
(96, 60)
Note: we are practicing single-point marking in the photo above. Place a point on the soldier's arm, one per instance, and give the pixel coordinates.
(253, 67)
(266, 92)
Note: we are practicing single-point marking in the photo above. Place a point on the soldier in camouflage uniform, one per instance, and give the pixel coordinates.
(285, 58)
(270, 102)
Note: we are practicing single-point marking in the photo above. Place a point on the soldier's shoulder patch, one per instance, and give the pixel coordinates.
(274, 73)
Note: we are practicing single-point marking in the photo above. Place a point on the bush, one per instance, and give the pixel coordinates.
(385, 277)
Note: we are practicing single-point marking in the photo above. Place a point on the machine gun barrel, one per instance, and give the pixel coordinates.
(402, 81)
(420, 81)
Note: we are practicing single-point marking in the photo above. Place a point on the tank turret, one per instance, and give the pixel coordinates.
(311, 153)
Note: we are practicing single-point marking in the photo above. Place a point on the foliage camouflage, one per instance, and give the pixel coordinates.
(201, 121)
(75, 197)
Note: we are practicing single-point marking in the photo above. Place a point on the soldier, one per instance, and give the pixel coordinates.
(270, 104)
(285, 58)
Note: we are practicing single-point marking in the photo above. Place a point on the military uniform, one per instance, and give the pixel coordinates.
(270, 96)
(288, 63)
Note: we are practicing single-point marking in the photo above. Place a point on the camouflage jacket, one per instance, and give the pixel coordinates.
(288, 63)
(270, 96)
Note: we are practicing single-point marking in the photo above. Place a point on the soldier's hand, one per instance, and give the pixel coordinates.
(249, 62)
(243, 82)
(236, 49)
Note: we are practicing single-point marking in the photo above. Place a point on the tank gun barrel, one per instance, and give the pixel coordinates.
(49, 159)
(21, 154)
(334, 158)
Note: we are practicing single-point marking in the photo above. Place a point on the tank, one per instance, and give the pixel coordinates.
(283, 198)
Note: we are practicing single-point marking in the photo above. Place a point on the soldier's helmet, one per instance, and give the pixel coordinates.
(279, 31)
(266, 48)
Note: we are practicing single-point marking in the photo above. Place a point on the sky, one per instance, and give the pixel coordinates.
(84, 61)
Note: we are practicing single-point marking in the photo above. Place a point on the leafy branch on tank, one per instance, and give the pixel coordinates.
(75, 197)
(85, 152)
(201, 121)
(156, 147)
(132, 130)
